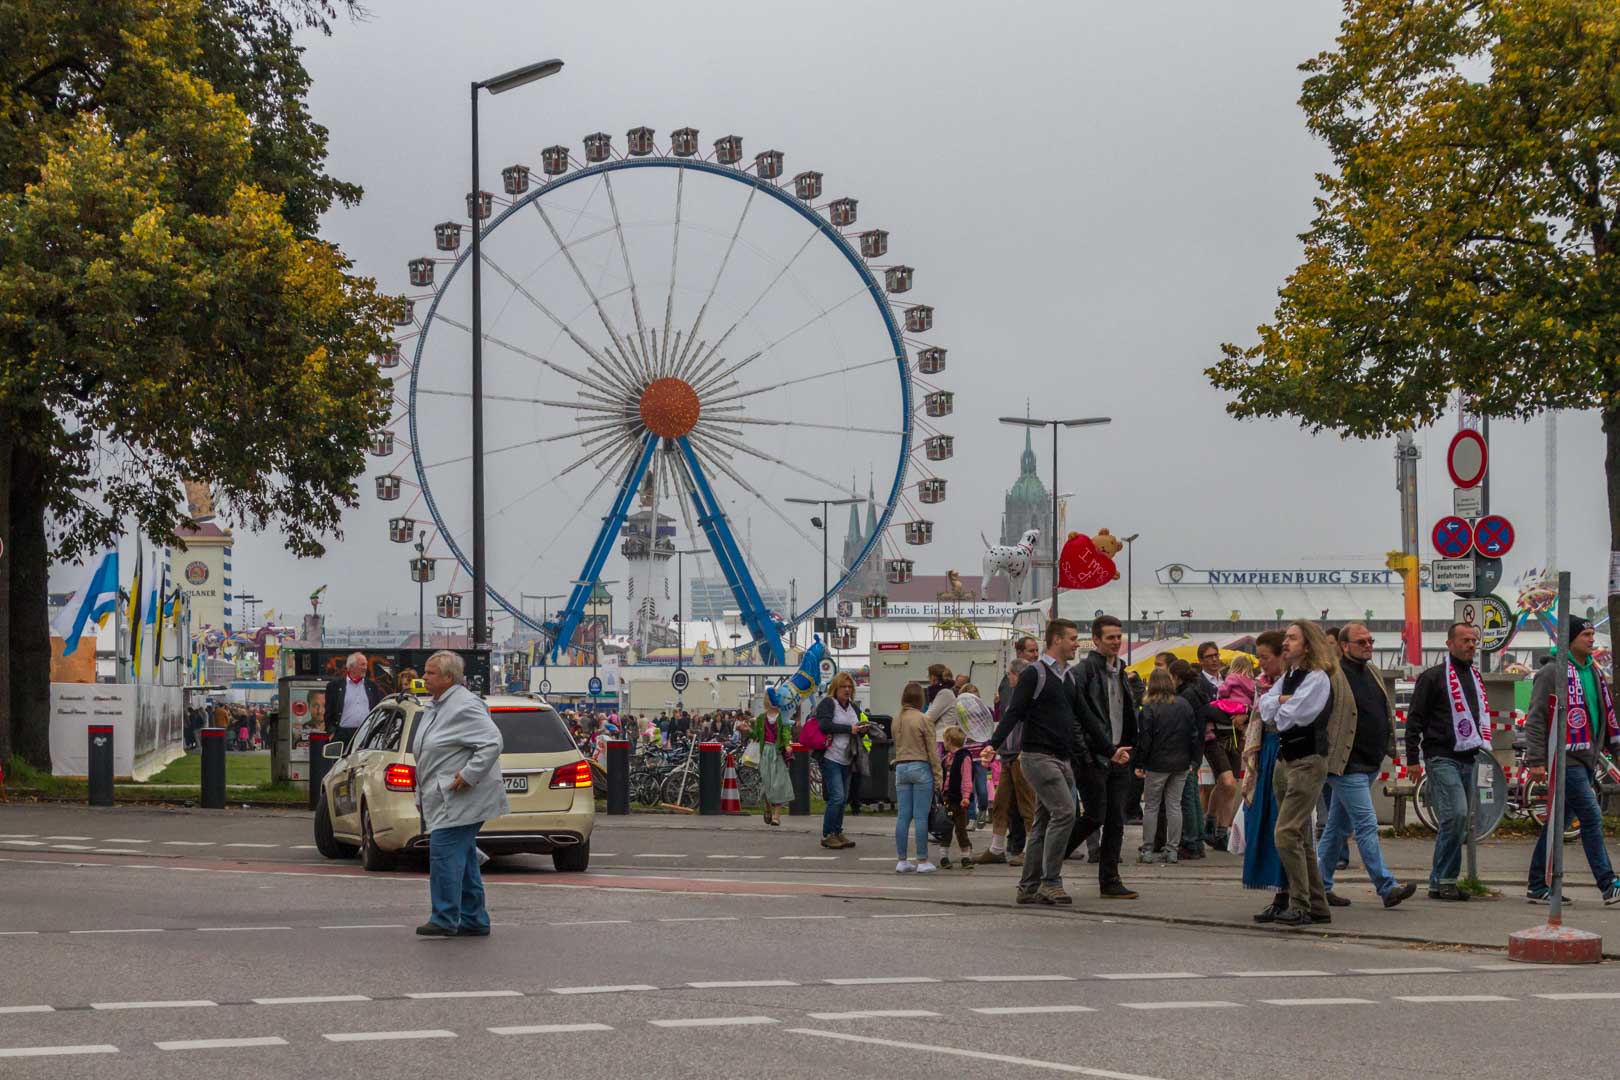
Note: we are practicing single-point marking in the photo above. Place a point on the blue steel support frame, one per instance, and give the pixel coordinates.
(562, 630)
(713, 519)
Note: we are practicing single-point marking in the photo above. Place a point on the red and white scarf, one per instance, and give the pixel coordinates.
(1466, 727)
(1579, 728)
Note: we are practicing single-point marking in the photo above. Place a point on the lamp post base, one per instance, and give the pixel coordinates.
(1549, 944)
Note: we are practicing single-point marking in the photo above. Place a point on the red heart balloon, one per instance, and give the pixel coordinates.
(1082, 566)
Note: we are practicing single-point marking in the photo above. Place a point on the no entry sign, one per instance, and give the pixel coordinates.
(1493, 536)
(1467, 458)
(1453, 537)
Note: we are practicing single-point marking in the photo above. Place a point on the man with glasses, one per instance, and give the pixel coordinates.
(1352, 768)
(1448, 723)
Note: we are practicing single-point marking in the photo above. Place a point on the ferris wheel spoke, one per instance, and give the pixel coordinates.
(704, 367)
(616, 408)
(566, 372)
(674, 263)
(568, 254)
(630, 275)
(487, 397)
(584, 346)
(681, 369)
(795, 382)
(806, 424)
(714, 381)
(742, 447)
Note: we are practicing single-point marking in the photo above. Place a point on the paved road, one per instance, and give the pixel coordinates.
(204, 961)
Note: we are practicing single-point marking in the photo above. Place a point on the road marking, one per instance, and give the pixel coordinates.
(547, 1029)
(864, 1014)
(25, 843)
(387, 1036)
(593, 922)
(19, 933)
(806, 918)
(1520, 965)
(1402, 971)
(124, 840)
(1032, 1010)
(431, 995)
(919, 915)
(188, 843)
(367, 926)
(703, 918)
(740, 984)
(1569, 997)
(117, 851)
(1301, 974)
(1150, 1005)
(714, 1021)
(303, 847)
(320, 999)
(124, 930)
(1153, 975)
(254, 845)
(734, 856)
(626, 988)
(658, 855)
(977, 1055)
(7, 1009)
(17, 835)
(881, 981)
(73, 847)
(1453, 999)
(223, 929)
(1318, 1001)
(872, 858)
(109, 1005)
(811, 858)
(56, 1051)
(1019, 978)
(221, 1044)
(69, 838)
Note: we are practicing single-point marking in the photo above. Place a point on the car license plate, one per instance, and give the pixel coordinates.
(518, 785)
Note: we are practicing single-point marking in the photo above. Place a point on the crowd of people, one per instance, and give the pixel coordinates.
(247, 727)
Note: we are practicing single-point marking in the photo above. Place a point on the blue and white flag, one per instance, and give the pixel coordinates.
(95, 599)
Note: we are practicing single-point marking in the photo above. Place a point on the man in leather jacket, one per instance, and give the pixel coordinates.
(1105, 730)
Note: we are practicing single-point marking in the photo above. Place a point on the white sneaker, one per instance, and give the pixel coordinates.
(905, 866)
(926, 867)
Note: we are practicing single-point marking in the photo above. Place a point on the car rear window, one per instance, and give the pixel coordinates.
(532, 731)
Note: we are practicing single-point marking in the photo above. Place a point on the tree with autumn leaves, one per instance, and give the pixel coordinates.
(167, 310)
(1468, 237)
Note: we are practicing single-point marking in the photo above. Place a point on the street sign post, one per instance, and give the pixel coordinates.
(680, 680)
(545, 686)
(1468, 502)
(594, 686)
(1467, 459)
(1487, 576)
(1453, 537)
(1493, 536)
(1452, 575)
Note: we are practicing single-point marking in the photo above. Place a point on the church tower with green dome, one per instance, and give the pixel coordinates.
(869, 580)
(1029, 506)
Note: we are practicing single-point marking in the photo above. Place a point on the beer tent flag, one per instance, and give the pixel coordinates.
(136, 606)
(94, 599)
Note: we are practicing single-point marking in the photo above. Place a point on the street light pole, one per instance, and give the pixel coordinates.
(421, 592)
(680, 602)
(497, 85)
(1130, 578)
(545, 599)
(825, 521)
(1029, 422)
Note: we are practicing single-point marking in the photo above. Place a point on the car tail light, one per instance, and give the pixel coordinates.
(400, 777)
(576, 774)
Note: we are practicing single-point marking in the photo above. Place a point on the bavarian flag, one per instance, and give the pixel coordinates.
(94, 599)
(136, 624)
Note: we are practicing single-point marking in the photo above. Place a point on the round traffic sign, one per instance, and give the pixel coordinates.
(679, 679)
(1493, 536)
(595, 685)
(828, 668)
(545, 686)
(1453, 536)
(1467, 458)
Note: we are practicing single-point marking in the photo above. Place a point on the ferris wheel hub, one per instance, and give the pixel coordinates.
(670, 408)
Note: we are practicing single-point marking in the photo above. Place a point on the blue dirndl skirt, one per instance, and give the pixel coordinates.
(1262, 869)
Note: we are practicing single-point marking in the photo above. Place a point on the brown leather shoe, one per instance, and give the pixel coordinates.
(985, 858)
(1015, 860)
(844, 841)
(1053, 894)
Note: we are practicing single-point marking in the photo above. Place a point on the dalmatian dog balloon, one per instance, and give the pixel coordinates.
(1012, 560)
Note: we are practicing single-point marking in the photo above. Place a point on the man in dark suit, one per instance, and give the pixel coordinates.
(1105, 781)
(349, 700)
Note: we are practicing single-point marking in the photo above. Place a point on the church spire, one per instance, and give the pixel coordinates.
(855, 533)
(871, 506)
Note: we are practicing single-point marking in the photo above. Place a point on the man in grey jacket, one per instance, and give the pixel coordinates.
(1591, 724)
(458, 788)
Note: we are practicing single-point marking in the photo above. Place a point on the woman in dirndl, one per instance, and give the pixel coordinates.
(1262, 867)
(775, 739)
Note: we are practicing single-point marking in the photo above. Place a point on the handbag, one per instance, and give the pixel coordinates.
(750, 754)
(1235, 841)
(939, 821)
(811, 737)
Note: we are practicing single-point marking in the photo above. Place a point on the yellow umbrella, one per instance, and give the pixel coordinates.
(1188, 653)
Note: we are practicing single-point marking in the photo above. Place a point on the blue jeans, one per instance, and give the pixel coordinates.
(835, 789)
(1192, 813)
(1449, 781)
(1352, 813)
(914, 798)
(1580, 801)
(454, 882)
(979, 801)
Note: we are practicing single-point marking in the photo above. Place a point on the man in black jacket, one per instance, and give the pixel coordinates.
(1448, 721)
(350, 698)
(1107, 709)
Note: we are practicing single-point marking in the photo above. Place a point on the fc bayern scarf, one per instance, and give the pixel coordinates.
(1465, 726)
(1579, 728)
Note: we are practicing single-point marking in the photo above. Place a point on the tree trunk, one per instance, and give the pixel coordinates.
(29, 634)
(7, 555)
(1611, 465)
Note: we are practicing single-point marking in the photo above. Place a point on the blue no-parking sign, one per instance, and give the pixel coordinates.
(1453, 537)
(1493, 536)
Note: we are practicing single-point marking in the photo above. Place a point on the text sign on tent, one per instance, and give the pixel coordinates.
(1453, 537)
(1454, 575)
(1493, 536)
(1467, 458)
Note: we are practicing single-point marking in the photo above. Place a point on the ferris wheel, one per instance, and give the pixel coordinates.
(675, 343)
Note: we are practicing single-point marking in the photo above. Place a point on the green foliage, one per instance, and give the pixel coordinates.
(166, 311)
(1469, 236)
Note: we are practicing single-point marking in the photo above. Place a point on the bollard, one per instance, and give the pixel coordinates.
(711, 762)
(212, 741)
(799, 770)
(317, 764)
(101, 764)
(618, 776)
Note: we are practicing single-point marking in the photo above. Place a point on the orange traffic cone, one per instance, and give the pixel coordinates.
(730, 798)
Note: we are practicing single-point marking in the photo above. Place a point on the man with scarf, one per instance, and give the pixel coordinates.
(1592, 723)
(1448, 719)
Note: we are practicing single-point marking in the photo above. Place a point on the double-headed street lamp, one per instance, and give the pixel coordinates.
(1025, 421)
(822, 523)
(596, 644)
(510, 80)
(545, 599)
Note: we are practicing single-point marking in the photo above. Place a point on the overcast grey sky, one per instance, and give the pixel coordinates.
(1094, 195)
